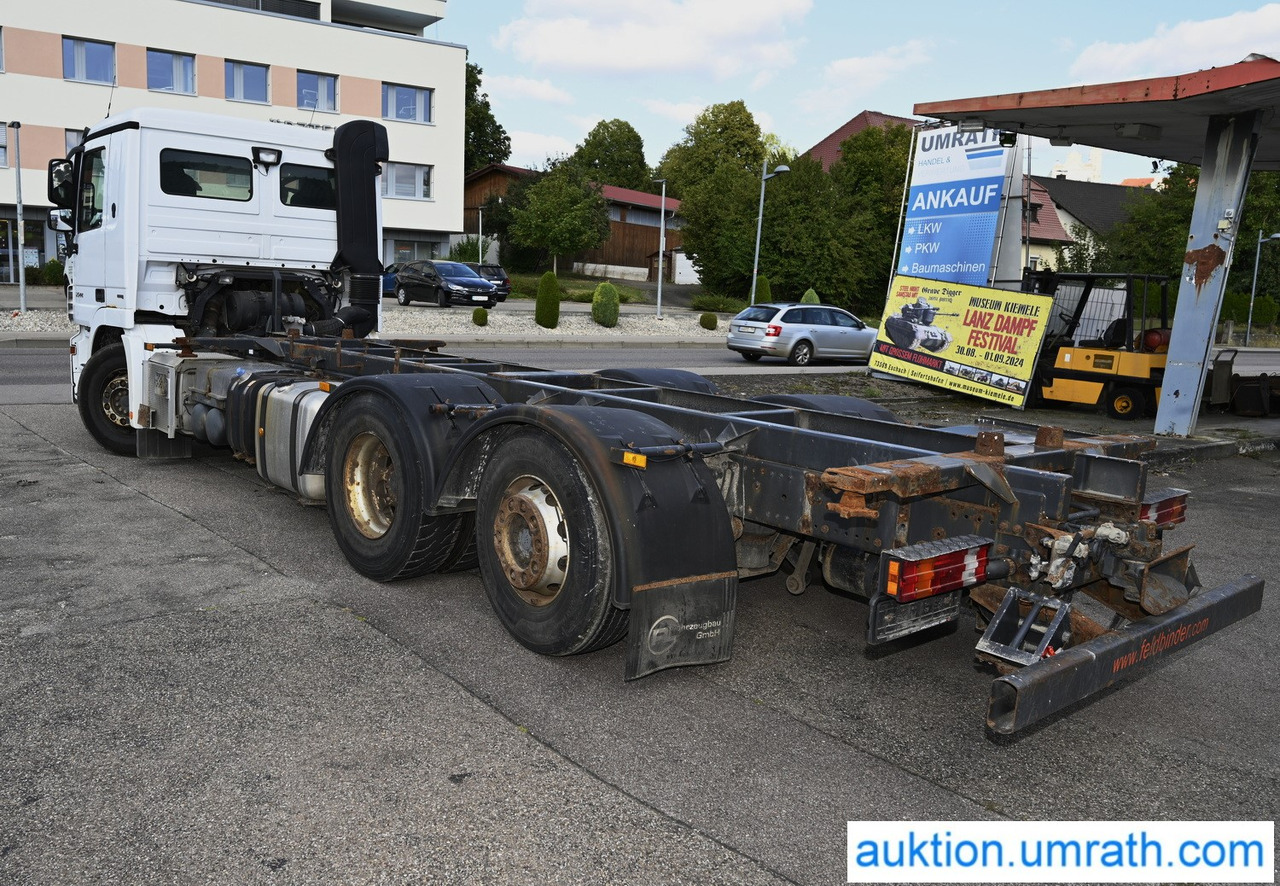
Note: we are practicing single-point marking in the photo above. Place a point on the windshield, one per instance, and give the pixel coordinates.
(453, 269)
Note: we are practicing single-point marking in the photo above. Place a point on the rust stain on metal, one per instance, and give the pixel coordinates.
(990, 444)
(688, 579)
(1206, 259)
(1049, 437)
(853, 504)
(902, 477)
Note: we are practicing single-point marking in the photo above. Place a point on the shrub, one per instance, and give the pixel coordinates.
(709, 321)
(763, 291)
(480, 317)
(604, 305)
(467, 249)
(810, 297)
(546, 311)
(1264, 311)
(721, 304)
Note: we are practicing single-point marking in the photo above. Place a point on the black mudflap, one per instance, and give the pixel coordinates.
(681, 622)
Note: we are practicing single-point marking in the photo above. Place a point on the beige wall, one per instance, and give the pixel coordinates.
(32, 89)
(32, 52)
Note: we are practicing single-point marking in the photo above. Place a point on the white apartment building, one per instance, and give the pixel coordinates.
(66, 64)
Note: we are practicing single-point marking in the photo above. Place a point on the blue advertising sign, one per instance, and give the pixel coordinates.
(953, 206)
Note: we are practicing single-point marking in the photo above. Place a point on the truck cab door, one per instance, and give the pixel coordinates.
(89, 288)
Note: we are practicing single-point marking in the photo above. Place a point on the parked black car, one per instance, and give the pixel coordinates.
(444, 282)
(495, 275)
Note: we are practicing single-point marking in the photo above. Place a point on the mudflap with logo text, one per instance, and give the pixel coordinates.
(679, 622)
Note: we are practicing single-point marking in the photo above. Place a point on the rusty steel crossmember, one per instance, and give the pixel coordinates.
(1037, 691)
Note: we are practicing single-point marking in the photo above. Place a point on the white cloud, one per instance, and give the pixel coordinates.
(699, 37)
(531, 149)
(847, 82)
(1184, 47)
(513, 89)
(683, 113)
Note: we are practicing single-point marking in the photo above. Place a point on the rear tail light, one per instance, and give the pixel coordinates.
(930, 568)
(1170, 508)
(773, 329)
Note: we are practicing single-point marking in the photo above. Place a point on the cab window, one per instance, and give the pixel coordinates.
(212, 176)
(91, 190)
(311, 187)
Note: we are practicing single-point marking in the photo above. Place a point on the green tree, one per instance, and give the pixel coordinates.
(715, 170)
(1087, 253)
(563, 213)
(810, 297)
(867, 181)
(724, 135)
(486, 141)
(613, 152)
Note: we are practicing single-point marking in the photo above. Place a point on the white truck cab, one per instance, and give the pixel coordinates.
(194, 225)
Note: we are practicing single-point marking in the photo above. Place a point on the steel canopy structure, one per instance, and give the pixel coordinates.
(1222, 120)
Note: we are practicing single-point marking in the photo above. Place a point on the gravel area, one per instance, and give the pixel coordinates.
(418, 320)
(36, 321)
(506, 319)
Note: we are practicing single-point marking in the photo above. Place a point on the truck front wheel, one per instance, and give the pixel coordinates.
(375, 495)
(545, 552)
(103, 399)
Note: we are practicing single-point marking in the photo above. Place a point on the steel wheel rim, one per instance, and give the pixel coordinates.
(115, 400)
(1123, 404)
(531, 540)
(368, 474)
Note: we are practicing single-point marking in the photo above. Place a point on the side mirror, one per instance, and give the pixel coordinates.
(60, 220)
(62, 192)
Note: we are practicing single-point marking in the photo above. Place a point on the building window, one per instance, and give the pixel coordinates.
(215, 176)
(73, 139)
(406, 103)
(4, 145)
(317, 92)
(171, 72)
(1, 49)
(88, 60)
(406, 181)
(246, 82)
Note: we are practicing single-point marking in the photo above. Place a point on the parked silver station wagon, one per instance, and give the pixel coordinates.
(800, 334)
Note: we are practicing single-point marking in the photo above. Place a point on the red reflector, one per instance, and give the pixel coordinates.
(1165, 511)
(773, 329)
(909, 580)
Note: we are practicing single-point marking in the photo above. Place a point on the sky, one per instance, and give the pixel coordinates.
(553, 69)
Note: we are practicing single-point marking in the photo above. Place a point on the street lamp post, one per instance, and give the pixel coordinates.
(765, 175)
(22, 236)
(662, 238)
(1257, 258)
(480, 233)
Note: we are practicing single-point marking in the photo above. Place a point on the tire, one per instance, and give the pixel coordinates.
(442, 297)
(546, 556)
(801, 354)
(374, 487)
(402, 296)
(1126, 403)
(749, 356)
(103, 399)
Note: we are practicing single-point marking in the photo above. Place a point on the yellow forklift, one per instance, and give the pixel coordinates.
(1097, 349)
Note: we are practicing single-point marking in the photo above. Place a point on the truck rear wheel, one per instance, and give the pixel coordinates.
(545, 551)
(103, 399)
(375, 491)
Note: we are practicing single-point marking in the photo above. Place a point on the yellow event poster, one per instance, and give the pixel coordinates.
(964, 338)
